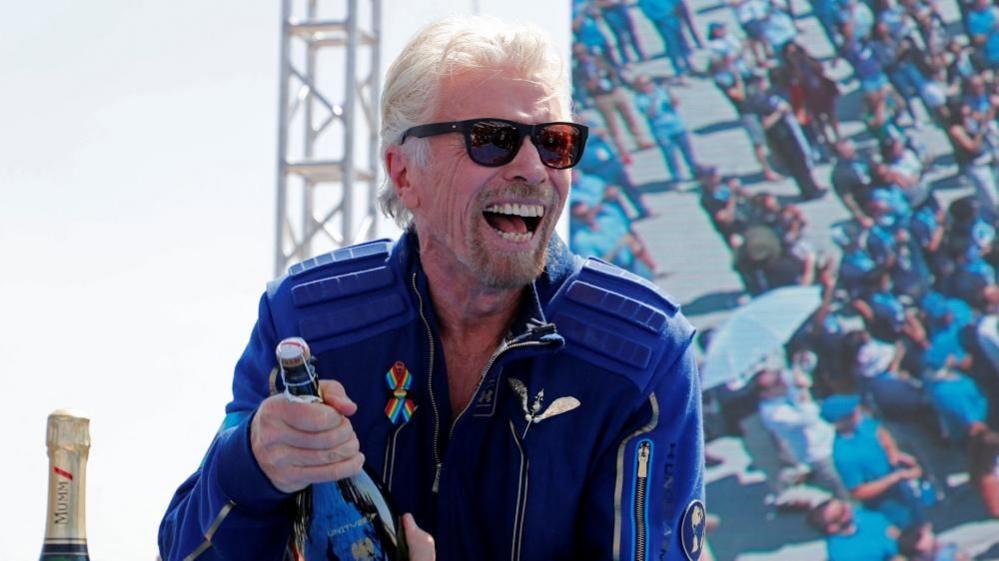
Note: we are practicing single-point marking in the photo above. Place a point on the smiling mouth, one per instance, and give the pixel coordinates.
(514, 222)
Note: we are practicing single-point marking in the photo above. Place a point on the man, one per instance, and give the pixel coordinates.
(605, 85)
(792, 416)
(555, 405)
(730, 76)
(783, 134)
(667, 17)
(658, 105)
(983, 20)
(855, 534)
(872, 467)
(617, 18)
(851, 179)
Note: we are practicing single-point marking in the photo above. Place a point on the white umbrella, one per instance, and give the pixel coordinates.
(755, 331)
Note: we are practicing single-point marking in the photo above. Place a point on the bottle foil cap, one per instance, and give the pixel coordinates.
(68, 429)
(292, 352)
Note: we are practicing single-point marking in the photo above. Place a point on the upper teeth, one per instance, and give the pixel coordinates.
(527, 211)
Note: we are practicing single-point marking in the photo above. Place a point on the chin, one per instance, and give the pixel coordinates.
(507, 276)
(508, 270)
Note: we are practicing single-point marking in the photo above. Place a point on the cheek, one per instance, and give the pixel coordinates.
(561, 179)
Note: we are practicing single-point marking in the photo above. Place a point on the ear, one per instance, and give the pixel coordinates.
(397, 167)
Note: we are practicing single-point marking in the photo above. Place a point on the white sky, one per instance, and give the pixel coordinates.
(137, 187)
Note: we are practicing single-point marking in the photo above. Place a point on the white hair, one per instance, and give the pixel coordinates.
(448, 47)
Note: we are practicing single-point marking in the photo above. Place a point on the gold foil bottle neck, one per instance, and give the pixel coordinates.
(68, 430)
(68, 442)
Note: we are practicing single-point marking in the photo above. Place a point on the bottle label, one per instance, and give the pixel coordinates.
(349, 522)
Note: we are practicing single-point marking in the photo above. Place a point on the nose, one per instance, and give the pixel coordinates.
(526, 166)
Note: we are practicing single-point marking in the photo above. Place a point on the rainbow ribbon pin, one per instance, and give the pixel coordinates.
(399, 406)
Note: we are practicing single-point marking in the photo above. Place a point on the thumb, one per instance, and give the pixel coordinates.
(421, 544)
(336, 397)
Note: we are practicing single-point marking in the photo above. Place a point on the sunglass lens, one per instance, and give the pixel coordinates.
(492, 143)
(559, 145)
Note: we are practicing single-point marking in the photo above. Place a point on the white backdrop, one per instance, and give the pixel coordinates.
(137, 165)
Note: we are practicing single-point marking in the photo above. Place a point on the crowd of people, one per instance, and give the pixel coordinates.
(636, 111)
(906, 335)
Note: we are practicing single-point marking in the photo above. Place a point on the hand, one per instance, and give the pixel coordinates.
(905, 459)
(297, 444)
(421, 544)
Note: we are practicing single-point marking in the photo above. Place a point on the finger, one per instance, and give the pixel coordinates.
(321, 440)
(335, 396)
(421, 544)
(307, 457)
(310, 417)
(330, 472)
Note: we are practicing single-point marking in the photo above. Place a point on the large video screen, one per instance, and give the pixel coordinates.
(816, 184)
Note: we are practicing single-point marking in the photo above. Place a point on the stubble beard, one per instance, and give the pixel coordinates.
(512, 269)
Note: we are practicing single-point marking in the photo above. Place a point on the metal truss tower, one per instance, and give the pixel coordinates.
(327, 161)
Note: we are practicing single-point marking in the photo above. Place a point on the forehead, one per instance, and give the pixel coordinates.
(495, 93)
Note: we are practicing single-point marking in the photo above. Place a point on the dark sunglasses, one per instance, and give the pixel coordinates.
(495, 142)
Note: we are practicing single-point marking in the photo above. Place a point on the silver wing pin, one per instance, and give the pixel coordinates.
(559, 406)
(531, 415)
(521, 390)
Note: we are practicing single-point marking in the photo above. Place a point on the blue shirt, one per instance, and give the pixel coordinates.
(859, 457)
(601, 160)
(855, 268)
(983, 22)
(658, 109)
(959, 401)
(943, 344)
(888, 311)
(870, 541)
(923, 225)
(657, 10)
(863, 59)
(604, 238)
(937, 307)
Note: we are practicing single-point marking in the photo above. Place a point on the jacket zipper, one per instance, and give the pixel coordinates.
(641, 491)
(518, 519)
(504, 347)
(430, 388)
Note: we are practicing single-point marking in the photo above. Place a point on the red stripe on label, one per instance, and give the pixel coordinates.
(63, 473)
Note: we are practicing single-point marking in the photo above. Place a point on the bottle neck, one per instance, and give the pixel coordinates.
(66, 518)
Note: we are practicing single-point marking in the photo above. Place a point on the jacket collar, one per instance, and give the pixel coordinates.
(530, 320)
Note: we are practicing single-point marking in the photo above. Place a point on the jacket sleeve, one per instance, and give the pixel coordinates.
(646, 496)
(228, 509)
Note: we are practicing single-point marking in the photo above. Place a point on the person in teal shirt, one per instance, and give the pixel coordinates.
(877, 473)
(855, 534)
(658, 106)
(983, 19)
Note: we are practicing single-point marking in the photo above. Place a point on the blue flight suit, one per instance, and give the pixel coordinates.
(619, 476)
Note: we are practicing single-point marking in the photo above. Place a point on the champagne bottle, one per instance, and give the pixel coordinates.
(354, 517)
(68, 442)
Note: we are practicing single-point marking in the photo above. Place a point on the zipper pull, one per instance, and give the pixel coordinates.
(437, 480)
(539, 330)
(643, 459)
